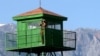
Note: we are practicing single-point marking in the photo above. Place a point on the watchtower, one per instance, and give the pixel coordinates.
(40, 31)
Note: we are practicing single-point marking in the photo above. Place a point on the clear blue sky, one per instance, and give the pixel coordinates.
(80, 13)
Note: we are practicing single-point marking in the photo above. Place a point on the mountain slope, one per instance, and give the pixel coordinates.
(2, 24)
(3, 30)
(88, 43)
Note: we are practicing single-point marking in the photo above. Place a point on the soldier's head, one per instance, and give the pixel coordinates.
(43, 20)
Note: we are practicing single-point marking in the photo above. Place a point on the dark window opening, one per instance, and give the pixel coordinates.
(52, 25)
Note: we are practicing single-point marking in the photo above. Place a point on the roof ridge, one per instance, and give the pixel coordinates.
(37, 11)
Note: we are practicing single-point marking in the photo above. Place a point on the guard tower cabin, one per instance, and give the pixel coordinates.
(39, 30)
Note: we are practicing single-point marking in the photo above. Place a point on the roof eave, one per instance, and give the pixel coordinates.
(16, 18)
(62, 18)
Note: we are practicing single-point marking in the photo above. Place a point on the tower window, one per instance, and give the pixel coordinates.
(33, 25)
(58, 26)
(54, 25)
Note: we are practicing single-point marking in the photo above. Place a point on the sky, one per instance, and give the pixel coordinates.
(80, 13)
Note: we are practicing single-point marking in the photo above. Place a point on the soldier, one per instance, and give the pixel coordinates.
(43, 25)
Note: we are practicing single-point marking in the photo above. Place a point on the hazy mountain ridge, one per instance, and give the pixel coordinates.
(3, 30)
(8, 28)
(88, 41)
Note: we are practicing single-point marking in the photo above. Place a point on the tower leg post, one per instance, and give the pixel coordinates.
(38, 54)
(61, 53)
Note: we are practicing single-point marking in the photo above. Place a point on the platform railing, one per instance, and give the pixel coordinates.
(69, 39)
(11, 41)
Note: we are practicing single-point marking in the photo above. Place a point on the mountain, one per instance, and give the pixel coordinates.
(2, 24)
(8, 28)
(88, 41)
(3, 30)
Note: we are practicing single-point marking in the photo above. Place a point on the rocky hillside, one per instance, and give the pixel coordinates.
(3, 30)
(88, 43)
